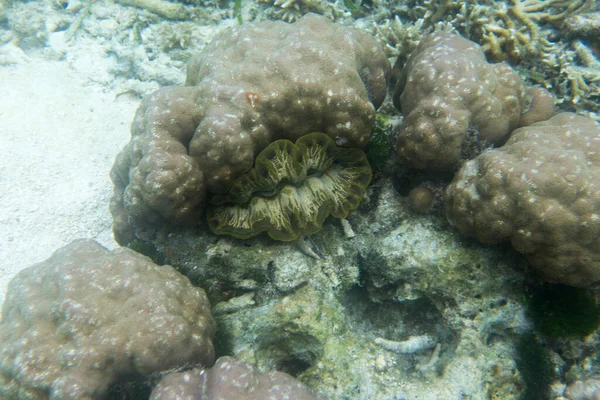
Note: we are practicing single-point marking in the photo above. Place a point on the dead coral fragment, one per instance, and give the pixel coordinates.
(165, 9)
(413, 344)
(292, 189)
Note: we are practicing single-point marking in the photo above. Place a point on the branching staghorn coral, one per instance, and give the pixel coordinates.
(523, 32)
(574, 79)
(514, 32)
(519, 32)
(582, 25)
(400, 38)
(401, 29)
(549, 10)
(436, 12)
(579, 82)
(293, 10)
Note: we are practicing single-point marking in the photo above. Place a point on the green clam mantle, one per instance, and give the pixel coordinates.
(292, 189)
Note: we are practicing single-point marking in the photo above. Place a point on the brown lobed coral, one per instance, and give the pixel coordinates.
(447, 90)
(231, 379)
(88, 318)
(252, 85)
(541, 190)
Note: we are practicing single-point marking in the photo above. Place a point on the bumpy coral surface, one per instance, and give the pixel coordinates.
(231, 379)
(252, 85)
(446, 89)
(87, 318)
(154, 176)
(292, 189)
(541, 190)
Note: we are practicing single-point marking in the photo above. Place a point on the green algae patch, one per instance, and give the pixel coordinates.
(380, 145)
(292, 189)
(535, 366)
(148, 249)
(562, 311)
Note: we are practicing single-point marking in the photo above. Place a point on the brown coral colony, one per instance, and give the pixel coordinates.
(194, 141)
(539, 190)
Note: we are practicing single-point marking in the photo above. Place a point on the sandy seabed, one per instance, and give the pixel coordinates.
(59, 134)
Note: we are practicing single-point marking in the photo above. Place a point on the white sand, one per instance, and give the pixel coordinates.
(59, 134)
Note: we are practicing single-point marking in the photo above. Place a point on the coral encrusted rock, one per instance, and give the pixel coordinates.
(455, 102)
(88, 318)
(541, 191)
(252, 85)
(231, 379)
(292, 189)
